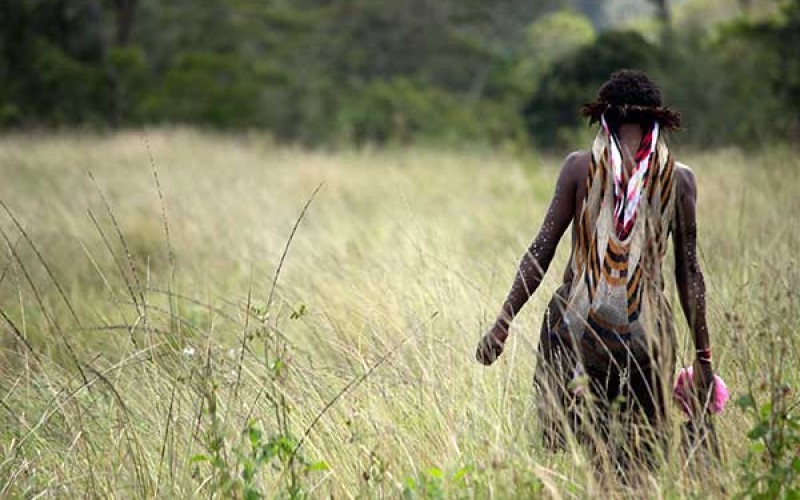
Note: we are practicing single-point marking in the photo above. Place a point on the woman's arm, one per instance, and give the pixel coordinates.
(689, 277)
(536, 260)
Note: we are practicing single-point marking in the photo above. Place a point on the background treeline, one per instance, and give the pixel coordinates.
(330, 71)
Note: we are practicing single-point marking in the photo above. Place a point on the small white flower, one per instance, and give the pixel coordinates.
(188, 351)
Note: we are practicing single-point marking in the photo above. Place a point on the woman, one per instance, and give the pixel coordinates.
(608, 334)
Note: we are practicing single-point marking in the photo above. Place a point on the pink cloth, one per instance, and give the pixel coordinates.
(684, 385)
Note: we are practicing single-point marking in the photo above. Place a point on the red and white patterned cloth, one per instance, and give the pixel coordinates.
(628, 194)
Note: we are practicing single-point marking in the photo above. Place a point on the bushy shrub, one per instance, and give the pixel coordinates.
(774, 41)
(130, 78)
(552, 111)
(402, 111)
(548, 40)
(71, 91)
(206, 88)
(721, 92)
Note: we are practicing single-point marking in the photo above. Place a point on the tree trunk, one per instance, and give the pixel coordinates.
(124, 10)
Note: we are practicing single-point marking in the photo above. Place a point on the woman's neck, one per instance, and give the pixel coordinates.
(630, 137)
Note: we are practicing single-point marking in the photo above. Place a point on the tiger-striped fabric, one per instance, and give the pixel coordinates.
(616, 305)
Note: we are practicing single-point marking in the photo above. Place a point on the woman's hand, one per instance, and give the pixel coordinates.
(491, 345)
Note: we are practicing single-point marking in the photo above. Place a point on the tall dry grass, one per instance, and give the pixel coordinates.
(152, 346)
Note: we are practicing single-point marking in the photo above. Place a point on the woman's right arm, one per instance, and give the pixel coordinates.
(536, 260)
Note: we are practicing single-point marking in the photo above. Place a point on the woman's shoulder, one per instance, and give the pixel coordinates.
(576, 164)
(580, 157)
(685, 178)
(683, 169)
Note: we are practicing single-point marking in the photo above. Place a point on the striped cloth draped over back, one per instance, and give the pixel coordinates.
(616, 306)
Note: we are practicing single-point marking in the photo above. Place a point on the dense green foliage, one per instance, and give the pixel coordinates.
(359, 71)
(573, 80)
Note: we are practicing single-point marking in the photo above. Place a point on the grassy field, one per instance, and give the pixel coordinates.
(147, 347)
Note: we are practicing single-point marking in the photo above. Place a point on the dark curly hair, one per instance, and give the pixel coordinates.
(630, 96)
